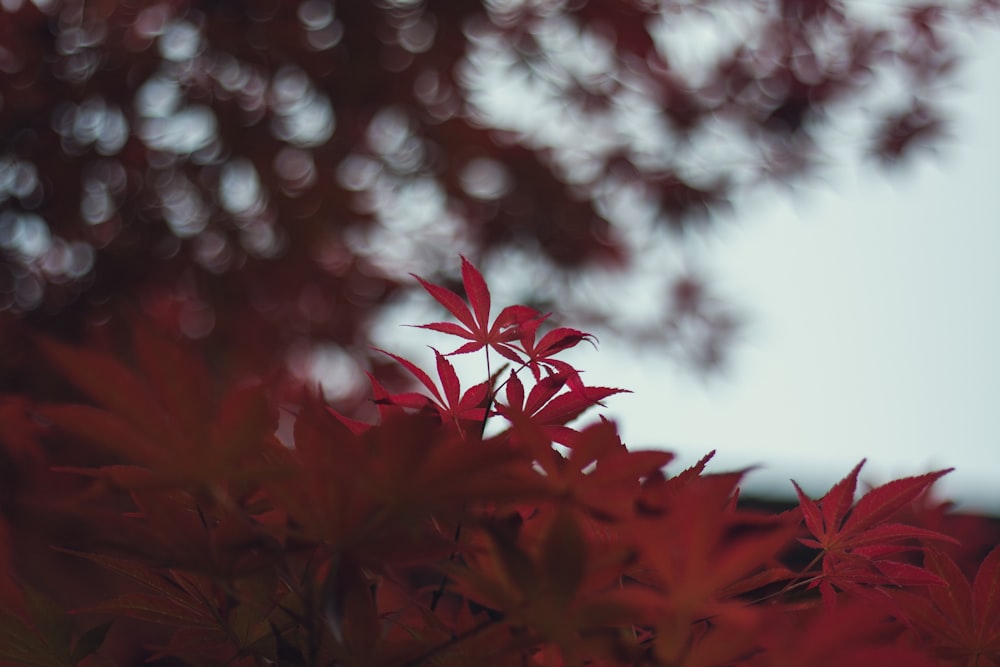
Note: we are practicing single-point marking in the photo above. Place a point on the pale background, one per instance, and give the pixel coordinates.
(874, 331)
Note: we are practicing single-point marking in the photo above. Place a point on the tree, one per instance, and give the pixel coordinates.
(278, 166)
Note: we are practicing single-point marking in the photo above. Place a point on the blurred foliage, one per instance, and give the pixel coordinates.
(262, 175)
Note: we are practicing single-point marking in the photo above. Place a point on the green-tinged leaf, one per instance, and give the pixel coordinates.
(51, 620)
(21, 644)
(632, 605)
(157, 609)
(563, 558)
(349, 608)
(247, 625)
(288, 654)
(516, 563)
(90, 642)
(196, 646)
(149, 577)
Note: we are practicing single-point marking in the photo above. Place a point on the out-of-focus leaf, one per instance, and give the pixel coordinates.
(105, 429)
(90, 642)
(110, 384)
(181, 384)
(563, 560)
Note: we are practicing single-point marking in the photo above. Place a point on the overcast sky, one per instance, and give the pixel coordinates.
(874, 323)
(875, 332)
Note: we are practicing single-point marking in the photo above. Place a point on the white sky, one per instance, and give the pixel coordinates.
(874, 304)
(875, 329)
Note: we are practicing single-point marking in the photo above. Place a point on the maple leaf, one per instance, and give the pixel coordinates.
(851, 538)
(855, 634)
(475, 325)
(545, 408)
(959, 621)
(37, 632)
(450, 403)
(165, 417)
(549, 579)
(541, 355)
(700, 548)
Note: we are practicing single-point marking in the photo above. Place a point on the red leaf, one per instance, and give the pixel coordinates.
(887, 532)
(110, 384)
(105, 429)
(478, 293)
(449, 380)
(515, 391)
(839, 498)
(856, 544)
(245, 418)
(904, 574)
(986, 594)
(834, 532)
(811, 513)
(454, 406)
(181, 384)
(417, 372)
(476, 327)
(882, 502)
(566, 407)
(453, 302)
(960, 620)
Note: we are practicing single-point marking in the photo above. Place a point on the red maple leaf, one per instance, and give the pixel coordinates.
(959, 621)
(856, 543)
(450, 403)
(475, 324)
(548, 409)
(541, 355)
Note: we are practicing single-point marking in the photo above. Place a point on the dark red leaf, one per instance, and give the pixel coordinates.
(110, 384)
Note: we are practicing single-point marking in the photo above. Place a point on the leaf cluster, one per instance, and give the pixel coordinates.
(173, 517)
